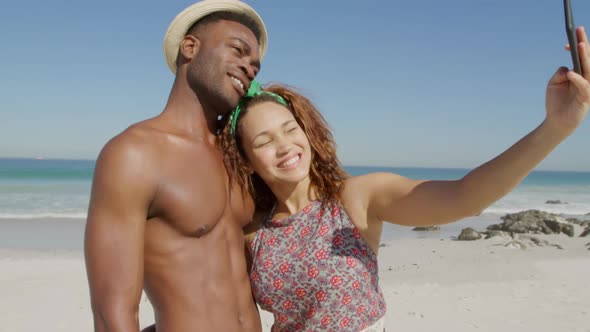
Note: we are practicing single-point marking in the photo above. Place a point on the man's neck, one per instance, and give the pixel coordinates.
(187, 113)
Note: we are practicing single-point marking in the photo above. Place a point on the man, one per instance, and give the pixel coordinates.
(161, 215)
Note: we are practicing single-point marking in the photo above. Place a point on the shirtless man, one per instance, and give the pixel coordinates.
(161, 216)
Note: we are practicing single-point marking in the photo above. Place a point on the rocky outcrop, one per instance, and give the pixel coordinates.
(533, 221)
(555, 201)
(426, 228)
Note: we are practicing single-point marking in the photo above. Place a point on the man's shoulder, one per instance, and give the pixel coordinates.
(131, 148)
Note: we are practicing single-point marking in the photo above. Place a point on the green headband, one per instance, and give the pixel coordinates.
(253, 91)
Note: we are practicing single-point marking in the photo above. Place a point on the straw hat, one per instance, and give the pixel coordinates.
(183, 21)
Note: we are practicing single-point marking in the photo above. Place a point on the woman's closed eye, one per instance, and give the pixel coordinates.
(262, 143)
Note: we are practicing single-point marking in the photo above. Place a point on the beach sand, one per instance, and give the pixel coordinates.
(429, 284)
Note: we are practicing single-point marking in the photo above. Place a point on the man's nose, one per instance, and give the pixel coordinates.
(248, 70)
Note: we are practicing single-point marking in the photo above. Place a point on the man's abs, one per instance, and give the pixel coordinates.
(199, 283)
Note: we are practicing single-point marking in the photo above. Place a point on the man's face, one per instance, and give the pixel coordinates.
(227, 61)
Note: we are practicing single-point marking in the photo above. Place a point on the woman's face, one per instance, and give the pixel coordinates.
(275, 145)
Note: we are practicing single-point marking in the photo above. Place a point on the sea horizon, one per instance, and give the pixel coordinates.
(60, 188)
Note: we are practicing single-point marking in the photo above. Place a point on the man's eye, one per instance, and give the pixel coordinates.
(237, 49)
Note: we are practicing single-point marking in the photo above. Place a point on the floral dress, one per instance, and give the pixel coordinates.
(315, 272)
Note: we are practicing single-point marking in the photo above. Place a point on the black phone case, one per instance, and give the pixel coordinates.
(570, 28)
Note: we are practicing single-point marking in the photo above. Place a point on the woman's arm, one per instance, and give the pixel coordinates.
(404, 201)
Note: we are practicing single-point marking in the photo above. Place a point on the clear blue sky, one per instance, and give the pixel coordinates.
(402, 83)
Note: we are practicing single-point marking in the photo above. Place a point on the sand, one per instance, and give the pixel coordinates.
(429, 284)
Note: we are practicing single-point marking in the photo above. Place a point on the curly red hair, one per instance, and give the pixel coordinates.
(326, 173)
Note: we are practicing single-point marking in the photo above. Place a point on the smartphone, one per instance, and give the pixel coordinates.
(570, 28)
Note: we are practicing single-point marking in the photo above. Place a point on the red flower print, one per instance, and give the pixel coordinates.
(361, 309)
(287, 304)
(300, 292)
(371, 265)
(355, 233)
(335, 210)
(283, 318)
(338, 241)
(293, 247)
(254, 276)
(356, 285)
(313, 271)
(351, 262)
(320, 215)
(267, 264)
(364, 252)
(373, 313)
(272, 241)
(321, 254)
(298, 326)
(323, 230)
(346, 299)
(326, 320)
(355, 251)
(320, 295)
(278, 283)
(307, 208)
(336, 281)
(305, 231)
(311, 313)
(365, 275)
(344, 322)
(288, 230)
(363, 326)
(285, 267)
(268, 301)
(303, 253)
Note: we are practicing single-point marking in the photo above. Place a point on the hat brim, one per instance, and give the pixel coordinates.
(187, 18)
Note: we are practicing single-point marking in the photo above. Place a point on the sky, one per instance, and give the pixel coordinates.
(422, 83)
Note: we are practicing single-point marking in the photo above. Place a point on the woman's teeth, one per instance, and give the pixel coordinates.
(290, 162)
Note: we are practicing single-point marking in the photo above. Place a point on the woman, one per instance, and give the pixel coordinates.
(315, 236)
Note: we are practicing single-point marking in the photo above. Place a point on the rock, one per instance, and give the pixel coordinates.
(555, 201)
(469, 234)
(533, 221)
(576, 221)
(585, 232)
(426, 228)
(568, 230)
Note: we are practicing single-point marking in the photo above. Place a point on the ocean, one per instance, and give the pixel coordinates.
(60, 189)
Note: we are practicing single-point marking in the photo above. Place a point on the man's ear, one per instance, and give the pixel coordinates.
(189, 47)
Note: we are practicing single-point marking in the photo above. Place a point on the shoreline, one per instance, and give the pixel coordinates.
(68, 233)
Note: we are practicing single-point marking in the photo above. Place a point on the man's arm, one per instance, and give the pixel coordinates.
(122, 190)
